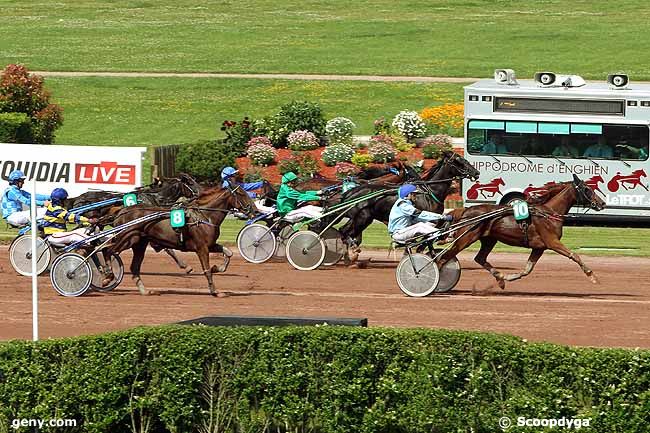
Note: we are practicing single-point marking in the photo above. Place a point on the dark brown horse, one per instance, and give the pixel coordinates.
(542, 232)
(203, 218)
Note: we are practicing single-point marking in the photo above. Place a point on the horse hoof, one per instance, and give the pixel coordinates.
(502, 284)
(189, 270)
(594, 280)
(217, 269)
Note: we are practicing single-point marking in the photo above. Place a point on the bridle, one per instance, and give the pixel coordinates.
(586, 198)
(248, 208)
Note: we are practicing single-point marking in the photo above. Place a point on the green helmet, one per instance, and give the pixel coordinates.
(288, 177)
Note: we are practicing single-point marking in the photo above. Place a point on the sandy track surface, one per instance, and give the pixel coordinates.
(556, 303)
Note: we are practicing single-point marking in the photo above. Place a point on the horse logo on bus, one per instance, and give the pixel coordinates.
(492, 188)
(627, 182)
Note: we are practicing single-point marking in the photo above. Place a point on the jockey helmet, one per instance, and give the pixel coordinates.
(228, 172)
(16, 175)
(405, 190)
(289, 177)
(59, 194)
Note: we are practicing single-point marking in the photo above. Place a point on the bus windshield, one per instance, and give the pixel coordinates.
(561, 140)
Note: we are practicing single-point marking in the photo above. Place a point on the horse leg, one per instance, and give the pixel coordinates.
(136, 263)
(204, 257)
(487, 244)
(181, 264)
(227, 254)
(559, 248)
(535, 254)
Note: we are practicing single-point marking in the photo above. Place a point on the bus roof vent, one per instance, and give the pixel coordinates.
(549, 79)
(618, 81)
(505, 76)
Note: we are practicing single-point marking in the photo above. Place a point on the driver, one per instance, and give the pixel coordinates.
(15, 197)
(288, 198)
(406, 221)
(228, 178)
(56, 218)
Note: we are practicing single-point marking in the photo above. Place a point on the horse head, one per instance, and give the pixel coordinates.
(460, 167)
(240, 201)
(639, 173)
(586, 196)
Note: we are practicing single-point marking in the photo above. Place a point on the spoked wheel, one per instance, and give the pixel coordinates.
(334, 246)
(449, 276)
(20, 255)
(305, 250)
(282, 238)
(116, 266)
(71, 275)
(256, 243)
(417, 275)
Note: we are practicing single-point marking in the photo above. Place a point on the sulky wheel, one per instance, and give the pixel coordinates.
(117, 267)
(334, 246)
(417, 275)
(71, 275)
(281, 249)
(20, 255)
(256, 243)
(449, 276)
(305, 250)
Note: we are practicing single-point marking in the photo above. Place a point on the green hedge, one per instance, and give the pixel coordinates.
(325, 379)
(15, 128)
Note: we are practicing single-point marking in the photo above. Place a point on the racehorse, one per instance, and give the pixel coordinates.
(435, 184)
(203, 218)
(542, 232)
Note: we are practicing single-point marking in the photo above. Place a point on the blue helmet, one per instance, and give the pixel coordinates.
(405, 190)
(59, 194)
(228, 172)
(16, 175)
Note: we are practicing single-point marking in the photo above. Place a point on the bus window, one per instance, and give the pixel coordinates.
(563, 140)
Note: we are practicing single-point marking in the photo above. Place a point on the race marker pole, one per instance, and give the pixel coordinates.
(34, 261)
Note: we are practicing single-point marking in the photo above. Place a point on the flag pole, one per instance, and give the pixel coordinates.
(34, 262)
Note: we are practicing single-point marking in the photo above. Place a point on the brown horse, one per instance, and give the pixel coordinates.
(543, 231)
(203, 218)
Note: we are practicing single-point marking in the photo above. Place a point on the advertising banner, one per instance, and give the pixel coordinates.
(78, 169)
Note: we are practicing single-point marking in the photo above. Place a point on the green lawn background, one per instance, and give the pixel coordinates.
(428, 38)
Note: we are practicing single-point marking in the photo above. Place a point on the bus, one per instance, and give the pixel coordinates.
(523, 134)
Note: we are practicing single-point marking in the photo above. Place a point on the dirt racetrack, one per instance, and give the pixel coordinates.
(556, 303)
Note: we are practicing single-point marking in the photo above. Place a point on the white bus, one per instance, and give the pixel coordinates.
(520, 135)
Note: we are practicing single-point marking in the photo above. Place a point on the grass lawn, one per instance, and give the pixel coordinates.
(153, 111)
(445, 37)
(595, 241)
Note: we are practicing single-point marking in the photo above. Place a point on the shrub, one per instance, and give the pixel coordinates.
(434, 146)
(21, 92)
(237, 134)
(298, 116)
(323, 379)
(302, 140)
(259, 140)
(205, 159)
(15, 128)
(400, 143)
(339, 130)
(361, 160)
(337, 153)
(446, 119)
(261, 154)
(383, 127)
(381, 152)
(345, 169)
(253, 174)
(302, 164)
(270, 127)
(409, 124)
